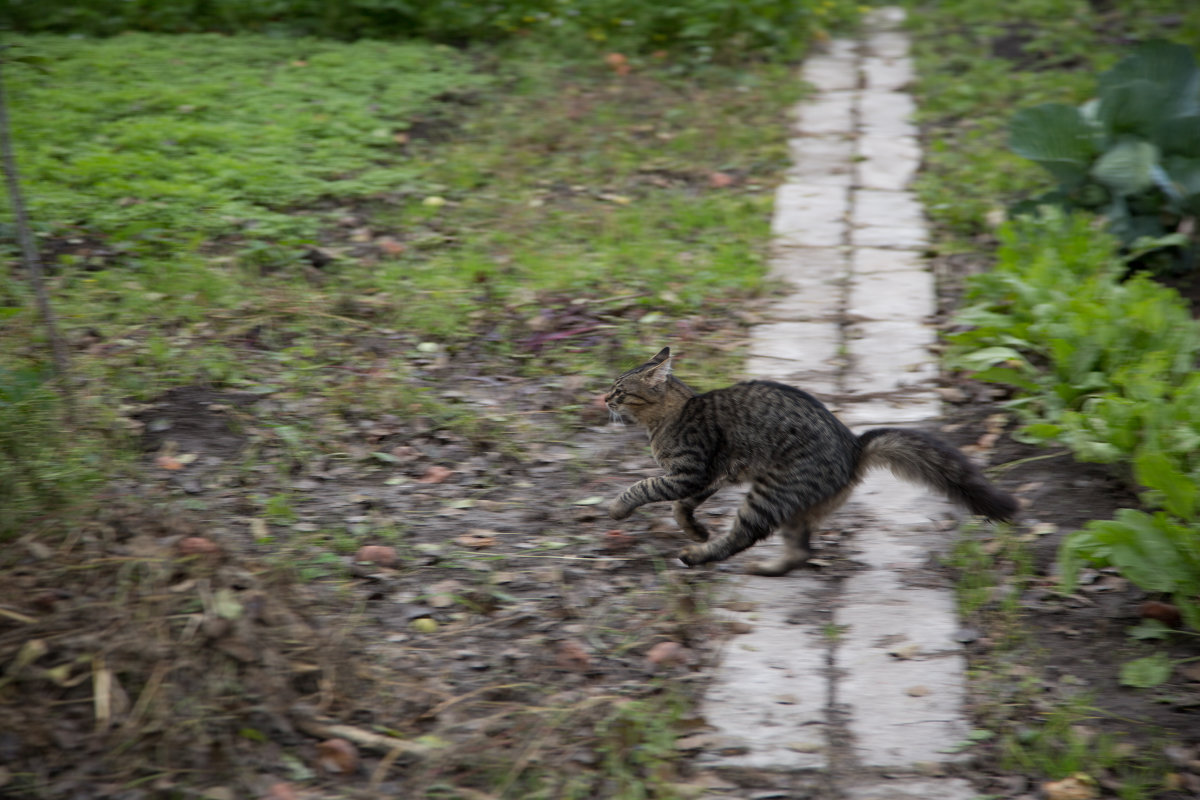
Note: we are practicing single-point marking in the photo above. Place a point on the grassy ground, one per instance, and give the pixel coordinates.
(320, 296)
(261, 213)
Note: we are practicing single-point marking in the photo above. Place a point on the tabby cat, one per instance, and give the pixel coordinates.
(801, 462)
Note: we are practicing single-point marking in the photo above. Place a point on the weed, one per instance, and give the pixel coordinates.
(1060, 744)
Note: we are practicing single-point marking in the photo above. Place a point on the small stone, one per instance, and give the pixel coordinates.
(737, 626)
(917, 691)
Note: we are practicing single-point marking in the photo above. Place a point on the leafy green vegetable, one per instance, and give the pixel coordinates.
(1132, 153)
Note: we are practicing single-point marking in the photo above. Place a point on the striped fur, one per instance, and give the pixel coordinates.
(801, 462)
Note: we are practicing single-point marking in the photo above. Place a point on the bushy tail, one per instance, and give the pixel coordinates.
(925, 459)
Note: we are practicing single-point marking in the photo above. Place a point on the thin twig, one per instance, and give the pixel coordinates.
(29, 254)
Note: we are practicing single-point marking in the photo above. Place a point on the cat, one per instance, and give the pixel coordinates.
(800, 460)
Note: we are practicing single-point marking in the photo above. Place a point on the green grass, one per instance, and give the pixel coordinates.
(260, 213)
(179, 186)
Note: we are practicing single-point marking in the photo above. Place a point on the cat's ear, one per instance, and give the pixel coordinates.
(661, 369)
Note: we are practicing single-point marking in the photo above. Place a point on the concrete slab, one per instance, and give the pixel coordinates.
(902, 408)
(887, 114)
(901, 671)
(879, 208)
(888, 355)
(821, 160)
(891, 295)
(913, 789)
(827, 113)
(886, 44)
(799, 265)
(886, 162)
(916, 239)
(831, 73)
(805, 354)
(769, 698)
(810, 216)
(868, 260)
(890, 74)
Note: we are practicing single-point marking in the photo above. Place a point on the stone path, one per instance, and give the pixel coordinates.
(853, 688)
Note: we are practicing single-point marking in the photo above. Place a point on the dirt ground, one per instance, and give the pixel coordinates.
(216, 629)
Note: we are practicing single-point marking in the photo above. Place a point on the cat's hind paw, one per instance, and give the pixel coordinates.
(618, 510)
(693, 555)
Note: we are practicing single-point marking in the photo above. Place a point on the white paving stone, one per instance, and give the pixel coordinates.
(888, 355)
(890, 74)
(831, 73)
(822, 160)
(901, 671)
(887, 114)
(890, 295)
(801, 265)
(886, 162)
(806, 354)
(874, 207)
(769, 699)
(913, 789)
(810, 216)
(886, 44)
(898, 408)
(828, 113)
(867, 260)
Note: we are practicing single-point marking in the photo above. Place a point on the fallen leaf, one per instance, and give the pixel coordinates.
(168, 463)
(198, 546)
(281, 791)
(573, 656)
(1166, 613)
(618, 63)
(720, 180)
(337, 757)
(917, 691)
(377, 554)
(668, 654)
(390, 246)
(435, 474)
(1076, 787)
(616, 540)
(476, 539)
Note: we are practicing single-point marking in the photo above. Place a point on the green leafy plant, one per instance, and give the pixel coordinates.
(1106, 367)
(1132, 153)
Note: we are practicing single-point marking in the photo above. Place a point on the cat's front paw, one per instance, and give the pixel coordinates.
(693, 555)
(618, 510)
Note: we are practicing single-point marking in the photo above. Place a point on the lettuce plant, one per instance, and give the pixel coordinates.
(1132, 153)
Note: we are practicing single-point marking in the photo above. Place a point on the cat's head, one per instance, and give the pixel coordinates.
(641, 388)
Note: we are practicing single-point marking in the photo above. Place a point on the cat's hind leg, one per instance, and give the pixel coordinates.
(757, 517)
(685, 514)
(796, 533)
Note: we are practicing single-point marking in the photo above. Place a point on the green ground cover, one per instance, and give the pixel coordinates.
(247, 211)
